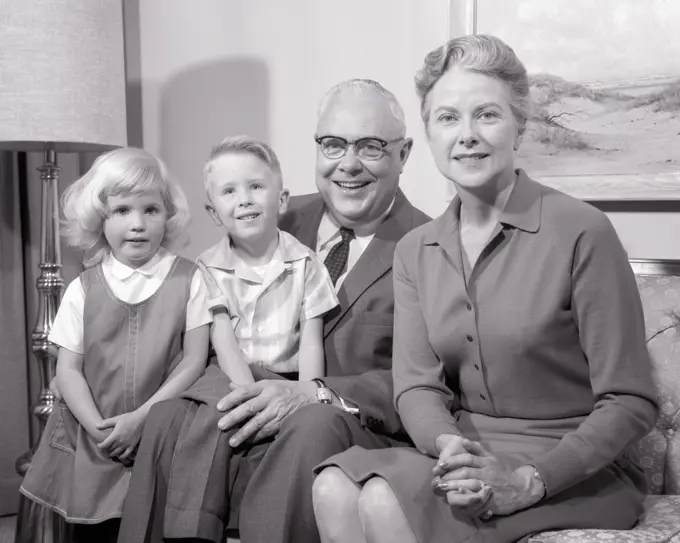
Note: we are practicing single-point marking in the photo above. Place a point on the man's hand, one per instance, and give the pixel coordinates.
(261, 407)
(123, 440)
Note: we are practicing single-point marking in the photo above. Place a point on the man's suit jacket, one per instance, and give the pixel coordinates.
(358, 333)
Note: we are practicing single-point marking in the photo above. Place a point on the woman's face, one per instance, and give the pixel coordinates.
(471, 129)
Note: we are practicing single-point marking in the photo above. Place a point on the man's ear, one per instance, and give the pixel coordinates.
(284, 196)
(405, 151)
(213, 214)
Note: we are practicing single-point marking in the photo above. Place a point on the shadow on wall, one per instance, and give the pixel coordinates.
(200, 107)
(133, 73)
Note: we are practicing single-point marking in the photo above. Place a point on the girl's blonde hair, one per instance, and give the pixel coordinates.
(125, 171)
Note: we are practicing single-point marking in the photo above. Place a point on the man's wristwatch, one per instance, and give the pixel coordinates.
(323, 393)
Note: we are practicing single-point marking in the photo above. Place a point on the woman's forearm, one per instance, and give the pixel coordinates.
(614, 424)
(608, 314)
(426, 416)
(421, 395)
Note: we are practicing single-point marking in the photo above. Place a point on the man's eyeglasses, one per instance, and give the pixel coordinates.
(335, 147)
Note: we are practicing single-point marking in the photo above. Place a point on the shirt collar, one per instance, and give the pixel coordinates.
(223, 256)
(522, 210)
(329, 228)
(123, 272)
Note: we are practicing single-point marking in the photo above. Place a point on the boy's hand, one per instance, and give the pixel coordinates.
(121, 443)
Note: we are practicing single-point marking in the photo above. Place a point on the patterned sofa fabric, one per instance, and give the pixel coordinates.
(659, 452)
(660, 523)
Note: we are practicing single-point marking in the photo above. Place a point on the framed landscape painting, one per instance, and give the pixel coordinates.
(605, 88)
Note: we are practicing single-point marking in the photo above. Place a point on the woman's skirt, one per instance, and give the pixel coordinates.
(611, 499)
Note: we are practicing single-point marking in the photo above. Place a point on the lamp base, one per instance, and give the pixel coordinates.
(35, 523)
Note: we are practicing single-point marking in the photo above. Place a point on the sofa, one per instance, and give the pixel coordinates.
(659, 452)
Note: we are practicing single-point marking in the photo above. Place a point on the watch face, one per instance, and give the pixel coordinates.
(323, 395)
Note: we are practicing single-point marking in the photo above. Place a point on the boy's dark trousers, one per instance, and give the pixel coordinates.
(180, 489)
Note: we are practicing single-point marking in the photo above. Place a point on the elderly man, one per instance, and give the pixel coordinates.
(276, 431)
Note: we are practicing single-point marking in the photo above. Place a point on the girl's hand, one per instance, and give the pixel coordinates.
(121, 443)
(511, 489)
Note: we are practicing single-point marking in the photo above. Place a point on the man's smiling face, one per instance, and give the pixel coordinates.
(358, 191)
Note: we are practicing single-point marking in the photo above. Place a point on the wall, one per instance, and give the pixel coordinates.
(201, 70)
(212, 68)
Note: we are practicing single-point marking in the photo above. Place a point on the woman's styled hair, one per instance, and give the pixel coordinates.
(126, 171)
(481, 54)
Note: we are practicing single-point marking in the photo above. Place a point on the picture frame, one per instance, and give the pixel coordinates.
(632, 182)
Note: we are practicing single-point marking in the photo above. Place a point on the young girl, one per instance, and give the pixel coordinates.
(132, 330)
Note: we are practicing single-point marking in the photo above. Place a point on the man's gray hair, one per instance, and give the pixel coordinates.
(363, 86)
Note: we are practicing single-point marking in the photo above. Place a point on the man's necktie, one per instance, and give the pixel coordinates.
(336, 260)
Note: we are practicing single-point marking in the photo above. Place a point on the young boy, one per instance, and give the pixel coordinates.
(268, 292)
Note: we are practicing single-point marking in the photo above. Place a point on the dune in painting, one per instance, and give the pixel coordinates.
(605, 87)
(627, 127)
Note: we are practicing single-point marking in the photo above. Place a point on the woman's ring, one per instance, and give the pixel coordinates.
(486, 515)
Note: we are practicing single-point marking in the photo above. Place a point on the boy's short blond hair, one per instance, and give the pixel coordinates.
(243, 144)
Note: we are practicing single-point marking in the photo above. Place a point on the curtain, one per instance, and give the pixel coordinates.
(14, 396)
(20, 222)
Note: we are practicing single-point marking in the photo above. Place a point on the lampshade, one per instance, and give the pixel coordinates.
(62, 75)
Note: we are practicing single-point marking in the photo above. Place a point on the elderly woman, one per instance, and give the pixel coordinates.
(520, 367)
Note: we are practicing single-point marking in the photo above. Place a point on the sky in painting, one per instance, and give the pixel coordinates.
(589, 40)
